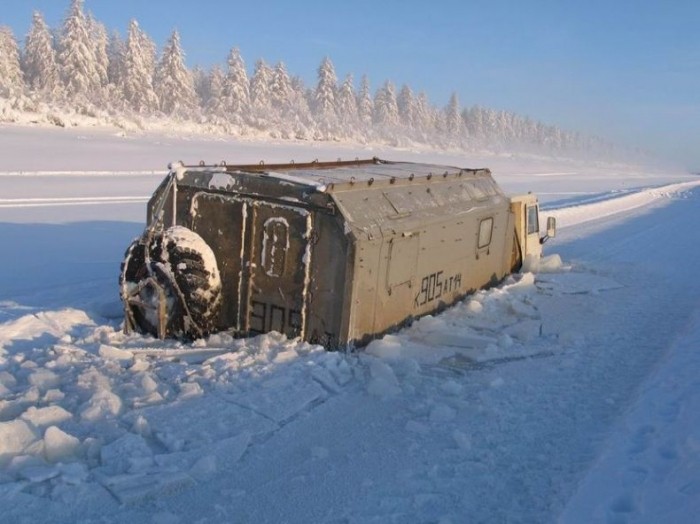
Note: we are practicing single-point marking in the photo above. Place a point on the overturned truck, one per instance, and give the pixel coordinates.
(337, 253)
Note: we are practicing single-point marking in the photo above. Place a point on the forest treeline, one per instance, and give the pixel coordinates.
(82, 68)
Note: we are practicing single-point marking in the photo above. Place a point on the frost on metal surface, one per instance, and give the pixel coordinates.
(275, 236)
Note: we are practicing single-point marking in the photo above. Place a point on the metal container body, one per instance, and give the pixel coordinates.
(341, 253)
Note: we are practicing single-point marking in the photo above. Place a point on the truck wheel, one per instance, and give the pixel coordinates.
(175, 280)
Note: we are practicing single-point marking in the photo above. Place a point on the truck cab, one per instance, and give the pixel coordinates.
(526, 212)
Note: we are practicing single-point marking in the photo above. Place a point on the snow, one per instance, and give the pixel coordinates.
(568, 393)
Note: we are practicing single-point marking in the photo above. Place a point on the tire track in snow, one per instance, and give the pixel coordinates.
(579, 214)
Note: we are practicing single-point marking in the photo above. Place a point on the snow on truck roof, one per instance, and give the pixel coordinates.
(342, 174)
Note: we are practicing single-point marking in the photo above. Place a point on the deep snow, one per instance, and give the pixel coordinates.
(569, 394)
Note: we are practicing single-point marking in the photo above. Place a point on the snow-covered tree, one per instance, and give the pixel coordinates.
(11, 81)
(174, 85)
(347, 106)
(137, 78)
(325, 93)
(280, 88)
(100, 41)
(423, 114)
(260, 94)
(407, 107)
(386, 110)
(260, 85)
(299, 118)
(39, 60)
(115, 52)
(235, 93)
(201, 85)
(211, 93)
(365, 105)
(453, 119)
(76, 58)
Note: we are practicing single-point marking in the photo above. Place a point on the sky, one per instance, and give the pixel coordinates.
(627, 70)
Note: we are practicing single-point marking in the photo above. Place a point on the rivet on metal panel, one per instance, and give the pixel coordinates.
(392, 180)
(370, 181)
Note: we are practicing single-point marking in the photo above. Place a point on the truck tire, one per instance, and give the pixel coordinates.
(177, 271)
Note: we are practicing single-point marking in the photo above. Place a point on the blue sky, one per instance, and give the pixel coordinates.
(626, 70)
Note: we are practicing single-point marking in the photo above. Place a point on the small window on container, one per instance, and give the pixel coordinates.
(533, 220)
(485, 233)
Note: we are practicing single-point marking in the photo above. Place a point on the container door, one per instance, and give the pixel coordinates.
(278, 261)
(221, 221)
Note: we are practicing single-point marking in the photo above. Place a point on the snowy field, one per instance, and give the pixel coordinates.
(571, 394)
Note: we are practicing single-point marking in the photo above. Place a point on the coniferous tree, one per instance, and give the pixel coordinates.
(100, 41)
(325, 94)
(212, 93)
(423, 115)
(300, 114)
(137, 78)
(174, 85)
(386, 110)
(407, 107)
(347, 106)
(201, 85)
(365, 105)
(280, 88)
(260, 85)
(11, 81)
(236, 89)
(116, 49)
(39, 60)
(453, 119)
(76, 58)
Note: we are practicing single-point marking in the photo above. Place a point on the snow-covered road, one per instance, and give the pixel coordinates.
(566, 395)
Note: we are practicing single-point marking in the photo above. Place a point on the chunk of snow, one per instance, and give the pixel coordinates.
(60, 446)
(383, 382)
(74, 473)
(388, 347)
(48, 416)
(189, 390)
(141, 426)
(546, 264)
(138, 488)
(15, 437)
(39, 473)
(111, 353)
(44, 379)
(127, 451)
(7, 379)
(102, 404)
